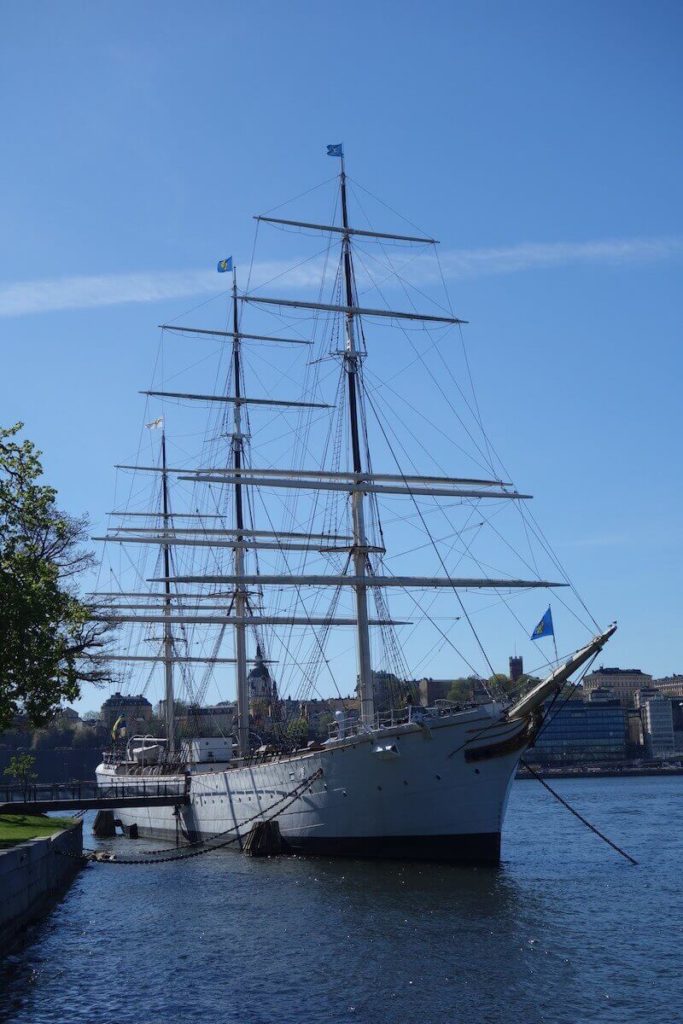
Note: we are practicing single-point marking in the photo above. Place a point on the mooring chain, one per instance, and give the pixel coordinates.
(576, 814)
(100, 857)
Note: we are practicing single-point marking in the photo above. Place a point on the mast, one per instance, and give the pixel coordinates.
(240, 601)
(359, 552)
(169, 704)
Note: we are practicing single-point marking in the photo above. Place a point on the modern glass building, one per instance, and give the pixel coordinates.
(579, 732)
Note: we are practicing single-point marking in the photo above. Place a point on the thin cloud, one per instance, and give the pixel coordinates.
(534, 255)
(51, 295)
(62, 293)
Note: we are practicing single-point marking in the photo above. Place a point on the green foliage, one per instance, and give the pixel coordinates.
(297, 731)
(86, 739)
(20, 767)
(525, 682)
(17, 828)
(324, 722)
(460, 691)
(47, 641)
(52, 738)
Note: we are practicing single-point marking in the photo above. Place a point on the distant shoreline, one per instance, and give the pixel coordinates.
(597, 773)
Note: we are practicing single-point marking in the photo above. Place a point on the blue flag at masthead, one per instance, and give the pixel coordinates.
(336, 150)
(224, 265)
(545, 626)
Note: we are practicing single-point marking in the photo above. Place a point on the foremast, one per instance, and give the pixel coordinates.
(352, 359)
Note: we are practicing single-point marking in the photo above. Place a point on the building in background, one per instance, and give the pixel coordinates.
(135, 708)
(582, 731)
(471, 689)
(669, 686)
(677, 715)
(623, 682)
(516, 668)
(262, 688)
(656, 715)
(212, 721)
(431, 690)
(68, 717)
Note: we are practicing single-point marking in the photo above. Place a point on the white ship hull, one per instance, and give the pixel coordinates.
(432, 791)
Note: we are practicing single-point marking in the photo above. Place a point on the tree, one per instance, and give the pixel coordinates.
(20, 767)
(525, 682)
(500, 684)
(297, 731)
(461, 690)
(48, 644)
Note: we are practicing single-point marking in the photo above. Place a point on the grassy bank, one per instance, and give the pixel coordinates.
(16, 828)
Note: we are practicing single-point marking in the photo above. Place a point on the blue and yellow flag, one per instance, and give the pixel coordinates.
(224, 265)
(118, 729)
(545, 626)
(337, 149)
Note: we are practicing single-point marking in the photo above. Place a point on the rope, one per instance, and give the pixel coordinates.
(289, 797)
(576, 814)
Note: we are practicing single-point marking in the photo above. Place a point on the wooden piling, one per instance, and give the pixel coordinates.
(103, 826)
(264, 840)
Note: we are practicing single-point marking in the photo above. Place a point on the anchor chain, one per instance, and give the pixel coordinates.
(101, 857)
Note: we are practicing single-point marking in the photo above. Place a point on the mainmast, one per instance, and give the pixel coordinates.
(240, 599)
(359, 551)
(169, 704)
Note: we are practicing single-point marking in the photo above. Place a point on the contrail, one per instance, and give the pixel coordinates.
(50, 295)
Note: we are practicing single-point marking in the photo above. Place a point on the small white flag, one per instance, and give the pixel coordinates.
(155, 424)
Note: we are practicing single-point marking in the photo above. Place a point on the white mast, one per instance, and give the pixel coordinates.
(359, 551)
(240, 599)
(169, 703)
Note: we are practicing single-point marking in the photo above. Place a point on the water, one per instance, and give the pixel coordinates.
(564, 932)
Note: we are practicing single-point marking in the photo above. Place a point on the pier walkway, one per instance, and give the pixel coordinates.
(87, 796)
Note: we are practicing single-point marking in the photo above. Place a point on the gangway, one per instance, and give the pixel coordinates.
(89, 796)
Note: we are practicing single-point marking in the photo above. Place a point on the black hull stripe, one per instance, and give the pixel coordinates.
(476, 848)
(481, 848)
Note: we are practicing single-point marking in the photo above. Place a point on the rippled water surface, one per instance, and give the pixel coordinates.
(564, 932)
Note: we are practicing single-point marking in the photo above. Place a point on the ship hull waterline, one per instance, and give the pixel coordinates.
(437, 791)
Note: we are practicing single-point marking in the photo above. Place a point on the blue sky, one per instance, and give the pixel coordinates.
(539, 142)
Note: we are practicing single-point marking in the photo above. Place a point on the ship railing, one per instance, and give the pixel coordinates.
(167, 763)
(351, 725)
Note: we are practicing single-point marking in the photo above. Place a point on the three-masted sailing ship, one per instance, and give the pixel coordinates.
(396, 779)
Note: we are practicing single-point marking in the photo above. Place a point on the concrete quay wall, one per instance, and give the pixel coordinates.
(33, 875)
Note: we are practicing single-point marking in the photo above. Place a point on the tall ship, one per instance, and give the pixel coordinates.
(348, 466)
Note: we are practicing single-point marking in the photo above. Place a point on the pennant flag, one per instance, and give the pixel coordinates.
(118, 729)
(155, 424)
(545, 626)
(224, 265)
(336, 150)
